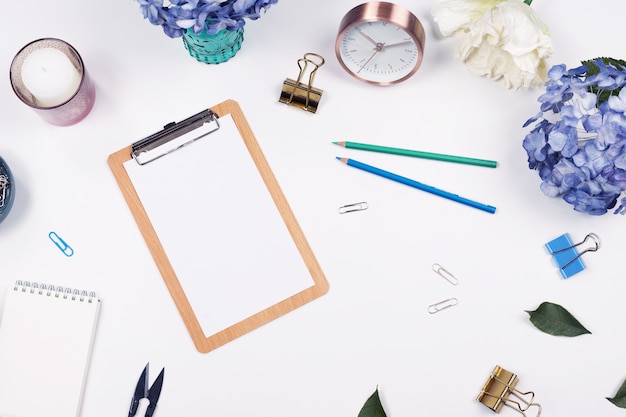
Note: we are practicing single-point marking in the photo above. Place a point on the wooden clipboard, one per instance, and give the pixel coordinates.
(206, 342)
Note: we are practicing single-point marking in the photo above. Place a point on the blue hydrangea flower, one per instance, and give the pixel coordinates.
(212, 16)
(577, 142)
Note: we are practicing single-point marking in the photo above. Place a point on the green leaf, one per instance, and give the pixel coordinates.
(373, 407)
(620, 397)
(555, 320)
(603, 95)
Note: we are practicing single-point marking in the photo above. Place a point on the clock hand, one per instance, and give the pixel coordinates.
(366, 36)
(379, 47)
(397, 44)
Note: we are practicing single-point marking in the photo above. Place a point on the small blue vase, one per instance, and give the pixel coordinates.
(213, 49)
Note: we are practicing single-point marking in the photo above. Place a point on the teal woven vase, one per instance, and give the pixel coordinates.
(213, 49)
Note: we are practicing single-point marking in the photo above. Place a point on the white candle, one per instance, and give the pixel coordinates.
(50, 76)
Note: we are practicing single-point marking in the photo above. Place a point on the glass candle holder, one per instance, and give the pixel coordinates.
(49, 76)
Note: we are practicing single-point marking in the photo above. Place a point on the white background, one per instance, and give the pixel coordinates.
(372, 328)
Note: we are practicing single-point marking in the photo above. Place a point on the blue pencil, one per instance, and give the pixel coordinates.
(418, 185)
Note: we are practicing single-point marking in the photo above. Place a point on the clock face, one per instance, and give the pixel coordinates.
(378, 52)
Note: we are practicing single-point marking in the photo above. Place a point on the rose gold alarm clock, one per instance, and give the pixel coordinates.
(380, 43)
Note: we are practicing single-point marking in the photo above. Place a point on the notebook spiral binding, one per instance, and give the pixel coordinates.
(56, 291)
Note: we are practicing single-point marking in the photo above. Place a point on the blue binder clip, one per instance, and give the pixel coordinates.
(566, 256)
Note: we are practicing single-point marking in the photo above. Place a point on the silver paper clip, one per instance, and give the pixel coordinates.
(442, 305)
(4, 186)
(60, 243)
(349, 208)
(445, 274)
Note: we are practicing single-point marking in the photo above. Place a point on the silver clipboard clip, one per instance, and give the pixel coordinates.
(175, 136)
(296, 93)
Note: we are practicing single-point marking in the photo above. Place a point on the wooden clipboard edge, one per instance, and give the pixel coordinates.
(231, 107)
(116, 163)
(203, 343)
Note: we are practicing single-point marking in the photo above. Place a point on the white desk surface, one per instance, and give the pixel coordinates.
(372, 329)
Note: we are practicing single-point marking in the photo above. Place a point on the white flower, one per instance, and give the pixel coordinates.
(498, 39)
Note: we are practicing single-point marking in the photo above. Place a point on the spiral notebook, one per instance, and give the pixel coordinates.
(46, 335)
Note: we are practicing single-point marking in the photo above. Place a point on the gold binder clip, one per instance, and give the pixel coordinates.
(500, 387)
(298, 94)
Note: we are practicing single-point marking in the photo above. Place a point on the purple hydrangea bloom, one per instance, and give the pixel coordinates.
(212, 16)
(577, 143)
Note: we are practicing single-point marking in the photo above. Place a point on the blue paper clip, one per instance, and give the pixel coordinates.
(566, 256)
(60, 243)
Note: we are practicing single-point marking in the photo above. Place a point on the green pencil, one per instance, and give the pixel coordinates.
(418, 154)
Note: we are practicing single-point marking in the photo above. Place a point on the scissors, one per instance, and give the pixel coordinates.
(142, 391)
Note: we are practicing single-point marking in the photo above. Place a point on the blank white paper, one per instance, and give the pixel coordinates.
(222, 233)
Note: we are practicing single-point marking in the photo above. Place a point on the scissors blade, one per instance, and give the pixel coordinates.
(141, 391)
(154, 393)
